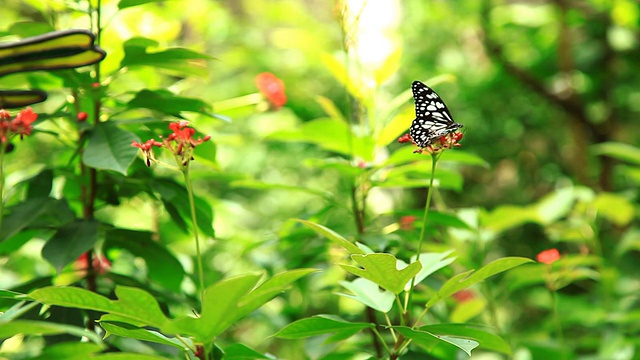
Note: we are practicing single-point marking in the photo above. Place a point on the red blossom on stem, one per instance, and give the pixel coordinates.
(181, 143)
(20, 125)
(272, 88)
(548, 256)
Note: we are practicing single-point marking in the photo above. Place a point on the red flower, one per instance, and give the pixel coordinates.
(548, 256)
(272, 88)
(180, 142)
(146, 148)
(406, 222)
(20, 125)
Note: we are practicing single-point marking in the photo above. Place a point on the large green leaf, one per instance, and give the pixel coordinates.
(332, 236)
(431, 262)
(241, 297)
(382, 269)
(428, 340)
(319, 325)
(133, 332)
(368, 293)
(70, 241)
(32, 327)
(468, 278)
(482, 335)
(109, 148)
(133, 304)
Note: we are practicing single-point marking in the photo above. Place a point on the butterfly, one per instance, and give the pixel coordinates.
(433, 119)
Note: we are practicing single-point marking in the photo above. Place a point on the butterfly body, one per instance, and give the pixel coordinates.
(433, 119)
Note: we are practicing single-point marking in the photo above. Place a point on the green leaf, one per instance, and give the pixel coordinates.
(618, 150)
(431, 262)
(486, 339)
(468, 278)
(166, 102)
(163, 267)
(30, 212)
(69, 351)
(615, 208)
(177, 60)
(382, 270)
(128, 356)
(395, 128)
(69, 242)
(239, 351)
(241, 297)
(554, 206)
(133, 332)
(389, 67)
(429, 340)
(354, 85)
(109, 148)
(132, 304)
(318, 325)
(330, 134)
(32, 327)
(123, 4)
(332, 236)
(330, 108)
(368, 293)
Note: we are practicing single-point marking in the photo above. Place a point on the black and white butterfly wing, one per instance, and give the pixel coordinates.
(433, 119)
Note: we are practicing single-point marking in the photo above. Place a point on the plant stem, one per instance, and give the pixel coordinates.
(192, 206)
(3, 146)
(434, 162)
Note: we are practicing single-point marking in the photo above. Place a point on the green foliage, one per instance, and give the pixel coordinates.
(305, 230)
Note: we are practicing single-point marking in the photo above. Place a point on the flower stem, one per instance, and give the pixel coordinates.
(434, 162)
(187, 180)
(3, 146)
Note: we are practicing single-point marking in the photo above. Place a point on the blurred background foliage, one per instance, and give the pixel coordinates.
(547, 90)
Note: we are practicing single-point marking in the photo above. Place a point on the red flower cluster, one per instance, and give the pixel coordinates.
(20, 125)
(447, 141)
(548, 256)
(180, 142)
(272, 88)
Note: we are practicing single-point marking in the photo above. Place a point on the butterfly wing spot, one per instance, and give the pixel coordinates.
(433, 119)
